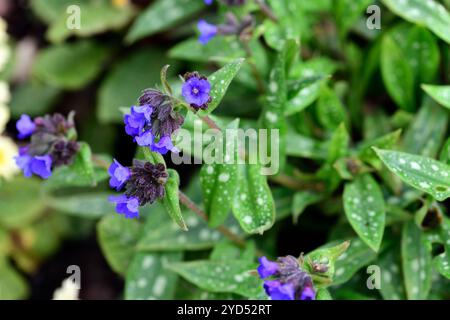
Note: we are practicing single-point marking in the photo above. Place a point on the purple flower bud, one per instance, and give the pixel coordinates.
(278, 291)
(119, 175)
(25, 126)
(207, 31)
(129, 206)
(164, 145)
(308, 293)
(196, 90)
(267, 268)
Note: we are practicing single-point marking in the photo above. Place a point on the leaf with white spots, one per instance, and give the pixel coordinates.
(391, 275)
(219, 180)
(442, 261)
(365, 209)
(87, 206)
(416, 261)
(161, 234)
(161, 15)
(426, 174)
(220, 81)
(148, 277)
(233, 276)
(356, 257)
(253, 205)
(398, 76)
(303, 93)
(440, 94)
(326, 255)
(423, 139)
(429, 13)
(118, 237)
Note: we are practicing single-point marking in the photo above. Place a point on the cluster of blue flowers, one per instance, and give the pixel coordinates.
(285, 279)
(52, 144)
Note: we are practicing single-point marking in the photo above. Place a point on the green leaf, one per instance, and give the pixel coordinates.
(51, 64)
(416, 261)
(441, 94)
(301, 200)
(425, 174)
(444, 156)
(161, 15)
(298, 145)
(80, 173)
(330, 110)
(148, 278)
(125, 82)
(221, 276)
(117, 237)
(87, 206)
(303, 93)
(388, 141)
(21, 202)
(365, 209)
(95, 17)
(220, 80)
(171, 201)
(397, 75)
(442, 261)
(391, 276)
(421, 138)
(219, 180)
(326, 255)
(429, 13)
(356, 257)
(12, 285)
(348, 11)
(43, 97)
(338, 144)
(323, 294)
(160, 234)
(253, 205)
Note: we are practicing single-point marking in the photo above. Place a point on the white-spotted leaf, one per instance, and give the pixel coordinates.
(440, 94)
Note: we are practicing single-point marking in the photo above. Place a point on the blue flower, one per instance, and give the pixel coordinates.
(38, 165)
(119, 175)
(207, 31)
(278, 291)
(308, 293)
(196, 90)
(267, 268)
(163, 145)
(139, 118)
(25, 126)
(129, 206)
(145, 139)
(208, 2)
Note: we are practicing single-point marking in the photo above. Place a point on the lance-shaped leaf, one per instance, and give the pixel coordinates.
(301, 200)
(365, 209)
(442, 261)
(425, 174)
(357, 256)
(171, 201)
(391, 275)
(440, 94)
(233, 276)
(429, 13)
(219, 180)
(366, 152)
(118, 237)
(397, 75)
(330, 110)
(88, 206)
(416, 261)
(303, 93)
(161, 15)
(327, 256)
(421, 138)
(253, 205)
(148, 278)
(220, 81)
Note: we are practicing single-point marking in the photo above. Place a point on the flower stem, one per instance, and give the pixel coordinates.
(185, 200)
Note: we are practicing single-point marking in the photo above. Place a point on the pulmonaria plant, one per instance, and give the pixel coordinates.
(52, 144)
(143, 183)
(285, 279)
